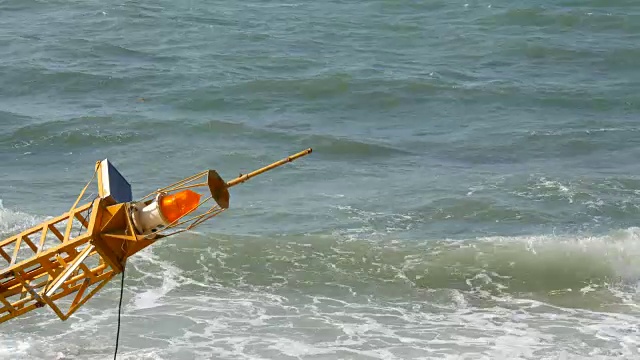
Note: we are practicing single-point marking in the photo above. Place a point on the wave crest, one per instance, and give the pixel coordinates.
(571, 271)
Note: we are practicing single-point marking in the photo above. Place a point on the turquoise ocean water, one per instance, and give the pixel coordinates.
(474, 190)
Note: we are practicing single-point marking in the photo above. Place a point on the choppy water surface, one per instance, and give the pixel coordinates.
(473, 191)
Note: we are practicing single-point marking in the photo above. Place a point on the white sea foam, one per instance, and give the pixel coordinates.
(169, 314)
(12, 221)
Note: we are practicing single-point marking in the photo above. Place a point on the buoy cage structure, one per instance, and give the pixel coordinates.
(63, 262)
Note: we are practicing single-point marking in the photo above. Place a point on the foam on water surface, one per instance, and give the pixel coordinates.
(473, 193)
(190, 309)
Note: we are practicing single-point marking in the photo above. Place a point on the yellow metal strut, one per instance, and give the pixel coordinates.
(44, 265)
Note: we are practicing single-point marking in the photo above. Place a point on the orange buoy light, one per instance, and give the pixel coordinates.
(176, 205)
(164, 210)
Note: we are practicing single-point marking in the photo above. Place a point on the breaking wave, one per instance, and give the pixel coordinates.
(594, 272)
(584, 272)
(12, 221)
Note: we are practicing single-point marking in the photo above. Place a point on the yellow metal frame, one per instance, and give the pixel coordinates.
(32, 268)
(45, 264)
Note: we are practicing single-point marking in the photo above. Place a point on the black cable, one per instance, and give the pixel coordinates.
(87, 218)
(115, 354)
(119, 310)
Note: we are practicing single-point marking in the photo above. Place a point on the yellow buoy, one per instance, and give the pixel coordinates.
(48, 262)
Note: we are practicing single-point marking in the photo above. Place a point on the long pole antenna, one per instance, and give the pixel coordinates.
(242, 178)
